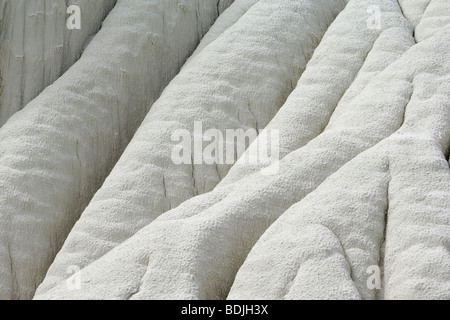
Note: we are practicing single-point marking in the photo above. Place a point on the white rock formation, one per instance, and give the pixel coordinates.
(309, 108)
(357, 207)
(224, 22)
(333, 237)
(195, 250)
(36, 47)
(414, 10)
(435, 17)
(56, 152)
(225, 87)
(323, 246)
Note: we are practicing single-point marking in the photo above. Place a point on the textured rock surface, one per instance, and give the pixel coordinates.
(36, 48)
(315, 99)
(214, 78)
(414, 10)
(77, 128)
(386, 210)
(220, 227)
(329, 240)
(358, 206)
(435, 17)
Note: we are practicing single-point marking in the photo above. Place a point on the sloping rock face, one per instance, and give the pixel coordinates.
(78, 127)
(355, 205)
(213, 87)
(36, 48)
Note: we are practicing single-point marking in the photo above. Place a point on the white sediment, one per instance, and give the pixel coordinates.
(195, 250)
(357, 206)
(36, 47)
(225, 21)
(238, 81)
(324, 246)
(414, 10)
(57, 151)
(315, 99)
(435, 17)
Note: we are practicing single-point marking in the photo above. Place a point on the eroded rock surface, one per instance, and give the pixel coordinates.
(356, 207)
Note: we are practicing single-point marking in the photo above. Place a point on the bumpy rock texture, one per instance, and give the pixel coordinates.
(78, 127)
(357, 207)
(36, 48)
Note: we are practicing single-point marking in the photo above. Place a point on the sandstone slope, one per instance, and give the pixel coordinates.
(195, 250)
(36, 48)
(57, 151)
(238, 81)
(341, 192)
